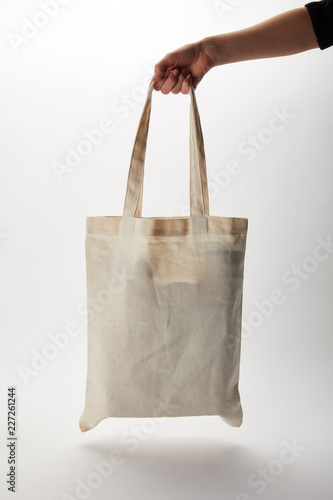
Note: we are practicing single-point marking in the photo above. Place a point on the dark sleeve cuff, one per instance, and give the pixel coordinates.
(321, 14)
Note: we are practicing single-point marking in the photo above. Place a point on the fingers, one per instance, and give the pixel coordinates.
(174, 81)
(158, 84)
(170, 81)
(178, 85)
(186, 85)
(163, 65)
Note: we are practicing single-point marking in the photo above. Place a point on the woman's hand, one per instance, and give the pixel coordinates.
(285, 34)
(178, 69)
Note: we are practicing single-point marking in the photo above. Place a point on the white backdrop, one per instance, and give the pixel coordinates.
(80, 66)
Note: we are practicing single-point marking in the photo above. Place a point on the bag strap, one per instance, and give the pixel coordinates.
(199, 199)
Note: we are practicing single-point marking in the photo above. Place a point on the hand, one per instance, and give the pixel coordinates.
(178, 69)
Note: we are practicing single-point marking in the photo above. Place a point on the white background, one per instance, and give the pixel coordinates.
(70, 75)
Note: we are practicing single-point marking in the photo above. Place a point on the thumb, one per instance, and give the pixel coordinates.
(168, 62)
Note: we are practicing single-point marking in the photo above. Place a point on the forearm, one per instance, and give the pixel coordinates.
(285, 34)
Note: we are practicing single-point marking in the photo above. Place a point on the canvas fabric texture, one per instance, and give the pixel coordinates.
(164, 297)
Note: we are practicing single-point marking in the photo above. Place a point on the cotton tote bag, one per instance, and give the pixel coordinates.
(164, 297)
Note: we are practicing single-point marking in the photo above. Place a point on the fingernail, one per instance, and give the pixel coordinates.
(188, 77)
(166, 73)
(154, 77)
(175, 72)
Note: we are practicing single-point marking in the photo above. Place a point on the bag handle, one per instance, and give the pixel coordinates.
(199, 199)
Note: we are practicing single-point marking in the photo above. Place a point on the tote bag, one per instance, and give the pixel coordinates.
(164, 299)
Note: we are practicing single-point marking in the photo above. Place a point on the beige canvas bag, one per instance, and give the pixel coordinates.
(164, 298)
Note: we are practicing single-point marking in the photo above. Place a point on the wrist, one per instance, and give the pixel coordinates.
(216, 48)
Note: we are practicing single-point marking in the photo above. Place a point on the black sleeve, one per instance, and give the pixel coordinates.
(321, 14)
